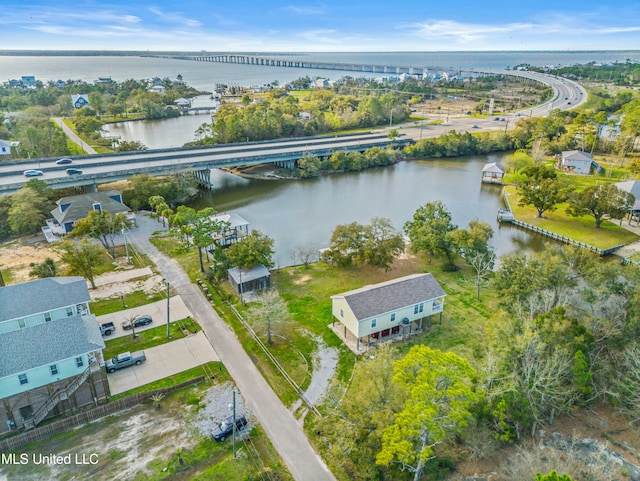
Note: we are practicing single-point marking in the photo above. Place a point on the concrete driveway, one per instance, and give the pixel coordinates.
(164, 360)
(157, 310)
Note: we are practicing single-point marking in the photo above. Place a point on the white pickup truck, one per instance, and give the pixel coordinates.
(125, 359)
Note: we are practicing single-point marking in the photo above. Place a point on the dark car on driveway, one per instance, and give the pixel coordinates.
(225, 428)
(138, 321)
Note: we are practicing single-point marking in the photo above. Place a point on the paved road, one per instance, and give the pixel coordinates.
(72, 135)
(284, 432)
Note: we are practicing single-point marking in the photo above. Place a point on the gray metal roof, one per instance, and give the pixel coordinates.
(577, 155)
(493, 167)
(81, 205)
(48, 343)
(257, 272)
(633, 187)
(376, 299)
(42, 295)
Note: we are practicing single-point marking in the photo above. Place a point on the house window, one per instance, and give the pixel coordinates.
(47, 317)
(23, 379)
(69, 311)
(22, 323)
(79, 362)
(54, 369)
(421, 307)
(373, 323)
(415, 309)
(341, 312)
(393, 317)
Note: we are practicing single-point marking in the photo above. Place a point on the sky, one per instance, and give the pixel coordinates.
(322, 26)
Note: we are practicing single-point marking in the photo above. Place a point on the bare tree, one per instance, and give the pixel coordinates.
(307, 254)
(270, 309)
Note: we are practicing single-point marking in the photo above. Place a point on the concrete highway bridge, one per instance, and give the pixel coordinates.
(103, 168)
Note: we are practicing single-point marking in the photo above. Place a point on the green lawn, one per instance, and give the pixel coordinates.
(150, 337)
(581, 229)
(132, 299)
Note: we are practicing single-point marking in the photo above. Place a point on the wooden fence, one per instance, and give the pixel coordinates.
(553, 235)
(49, 430)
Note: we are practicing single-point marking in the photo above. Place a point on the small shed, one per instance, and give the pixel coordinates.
(492, 173)
(254, 279)
(577, 162)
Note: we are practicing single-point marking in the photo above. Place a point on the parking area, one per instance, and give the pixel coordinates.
(157, 310)
(164, 360)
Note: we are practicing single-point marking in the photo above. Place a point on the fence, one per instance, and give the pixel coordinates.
(49, 430)
(558, 237)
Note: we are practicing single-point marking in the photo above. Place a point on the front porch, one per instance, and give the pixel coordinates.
(399, 333)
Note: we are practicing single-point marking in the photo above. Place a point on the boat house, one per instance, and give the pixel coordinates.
(492, 173)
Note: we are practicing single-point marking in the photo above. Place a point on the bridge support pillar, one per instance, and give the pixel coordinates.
(204, 178)
(90, 188)
(286, 164)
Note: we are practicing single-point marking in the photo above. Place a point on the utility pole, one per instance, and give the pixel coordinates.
(232, 407)
(168, 302)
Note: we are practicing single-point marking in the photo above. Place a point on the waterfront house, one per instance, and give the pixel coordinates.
(28, 81)
(395, 308)
(73, 208)
(51, 351)
(576, 162)
(492, 173)
(236, 230)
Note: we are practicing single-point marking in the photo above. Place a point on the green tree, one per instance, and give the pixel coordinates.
(599, 201)
(130, 146)
(47, 268)
(81, 257)
(28, 211)
(103, 226)
(347, 244)
(255, 249)
(553, 476)
(439, 393)
(382, 242)
(269, 310)
(541, 188)
(428, 232)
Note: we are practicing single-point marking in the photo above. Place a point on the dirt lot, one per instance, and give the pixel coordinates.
(137, 443)
(16, 257)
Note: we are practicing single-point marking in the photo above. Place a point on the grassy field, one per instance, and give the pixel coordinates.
(581, 229)
(150, 337)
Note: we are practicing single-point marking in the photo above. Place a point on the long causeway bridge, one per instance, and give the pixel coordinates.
(103, 168)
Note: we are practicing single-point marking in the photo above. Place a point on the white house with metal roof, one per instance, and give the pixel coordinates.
(236, 230)
(51, 351)
(577, 162)
(398, 306)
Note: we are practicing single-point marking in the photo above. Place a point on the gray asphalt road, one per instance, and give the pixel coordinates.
(284, 432)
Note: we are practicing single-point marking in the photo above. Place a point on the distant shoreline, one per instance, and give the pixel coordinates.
(154, 53)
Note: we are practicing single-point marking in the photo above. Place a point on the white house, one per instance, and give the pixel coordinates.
(398, 306)
(577, 162)
(237, 229)
(633, 187)
(6, 146)
(51, 351)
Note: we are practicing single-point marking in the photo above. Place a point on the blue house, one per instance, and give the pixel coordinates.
(51, 351)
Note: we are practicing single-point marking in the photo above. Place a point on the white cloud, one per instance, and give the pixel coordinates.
(306, 10)
(177, 18)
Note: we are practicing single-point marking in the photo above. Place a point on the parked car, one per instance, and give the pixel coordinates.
(64, 161)
(74, 171)
(141, 320)
(32, 173)
(125, 359)
(107, 328)
(225, 428)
